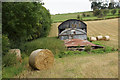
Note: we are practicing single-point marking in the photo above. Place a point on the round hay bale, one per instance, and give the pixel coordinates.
(99, 37)
(106, 38)
(17, 52)
(41, 59)
(93, 39)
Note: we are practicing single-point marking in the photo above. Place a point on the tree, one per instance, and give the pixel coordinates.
(78, 17)
(113, 11)
(25, 21)
(111, 6)
(96, 5)
(104, 6)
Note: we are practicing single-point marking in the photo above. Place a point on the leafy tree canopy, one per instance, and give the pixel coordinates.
(24, 21)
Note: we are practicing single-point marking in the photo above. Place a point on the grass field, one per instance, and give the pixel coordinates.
(83, 65)
(79, 66)
(63, 17)
(96, 28)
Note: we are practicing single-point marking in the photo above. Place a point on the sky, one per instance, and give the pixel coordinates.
(67, 6)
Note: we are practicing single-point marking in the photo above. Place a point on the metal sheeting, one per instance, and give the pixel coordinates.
(72, 23)
(79, 42)
(73, 33)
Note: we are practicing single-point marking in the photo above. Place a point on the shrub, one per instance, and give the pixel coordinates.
(5, 44)
(100, 15)
(9, 60)
(84, 15)
(78, 17)
(88, 48)
(97, 12)
(118, 12)
(113, 11)
(105, 12)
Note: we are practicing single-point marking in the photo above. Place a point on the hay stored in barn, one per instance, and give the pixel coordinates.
(17, 52)
(41, 59)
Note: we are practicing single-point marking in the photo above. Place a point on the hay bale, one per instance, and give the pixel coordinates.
(106, 38)
(17, 52)
(99, 37)
(93, 39)
(41, 59)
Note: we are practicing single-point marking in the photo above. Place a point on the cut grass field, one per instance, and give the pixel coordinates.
(96, 28)
(79, 66)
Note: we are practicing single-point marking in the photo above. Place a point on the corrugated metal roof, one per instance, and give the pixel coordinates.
(79, 42)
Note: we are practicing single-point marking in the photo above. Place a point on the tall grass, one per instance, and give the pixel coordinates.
(53, 44)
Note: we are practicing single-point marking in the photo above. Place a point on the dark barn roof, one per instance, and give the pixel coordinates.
(70, 23)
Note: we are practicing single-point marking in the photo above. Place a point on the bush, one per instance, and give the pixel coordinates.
(113, 11)
(9, 60)
(118, 12)
(88, 48)
(97, 12)
(84, 15)
(78, 17)
(105, 12)
(5, 44)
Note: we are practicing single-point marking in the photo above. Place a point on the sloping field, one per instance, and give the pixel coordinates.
(79, 66)
(96, 28)
(87, 65)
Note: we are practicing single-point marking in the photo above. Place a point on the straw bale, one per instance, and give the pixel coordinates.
(17, 52)
(93, 39)
(41, 59)
(106, 38)
(99, 37)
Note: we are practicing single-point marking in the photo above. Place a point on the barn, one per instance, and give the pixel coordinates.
(72, 29)
(74, 33)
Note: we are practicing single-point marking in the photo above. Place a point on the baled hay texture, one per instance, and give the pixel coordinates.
(106, 38)
(17, 52)
(41, 59)
(99, 37)
(93, 39)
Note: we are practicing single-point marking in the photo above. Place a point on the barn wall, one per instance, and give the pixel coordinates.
(72, 24)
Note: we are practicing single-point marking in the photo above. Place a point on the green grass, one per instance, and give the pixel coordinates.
(106, 49)
(52, 43)
(12, 71)
(63, 17)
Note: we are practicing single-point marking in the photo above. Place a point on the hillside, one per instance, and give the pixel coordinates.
(89, 16)
(95, 28)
